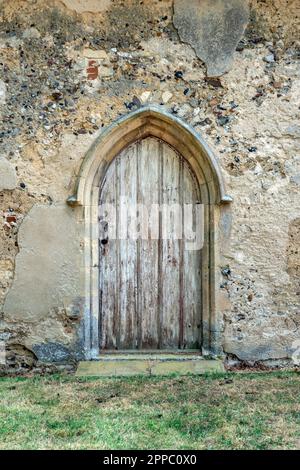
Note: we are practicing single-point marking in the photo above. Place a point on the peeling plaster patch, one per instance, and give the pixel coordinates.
(8, 179)
(2, 92)
(213, 28)
(82, 6)
(293, 130)
(47, 266)
(248, 348)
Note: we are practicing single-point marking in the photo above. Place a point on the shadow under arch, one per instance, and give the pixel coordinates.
(145, 122)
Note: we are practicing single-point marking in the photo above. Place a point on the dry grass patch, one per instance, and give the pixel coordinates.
(217, 411)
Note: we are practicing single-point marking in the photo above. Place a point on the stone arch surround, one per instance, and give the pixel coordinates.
(149, 121)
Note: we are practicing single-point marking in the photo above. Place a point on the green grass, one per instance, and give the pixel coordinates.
(218, 411)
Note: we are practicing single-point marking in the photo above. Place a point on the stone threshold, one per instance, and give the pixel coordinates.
(122, 365)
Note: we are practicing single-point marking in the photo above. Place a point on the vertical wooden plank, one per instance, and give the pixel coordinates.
(94, 285)
(191, 270)
(170, 276)
(107, 268)
(148, 166)
(127, 254)
(181, 320)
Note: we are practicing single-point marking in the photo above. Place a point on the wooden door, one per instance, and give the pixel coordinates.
(150, 288)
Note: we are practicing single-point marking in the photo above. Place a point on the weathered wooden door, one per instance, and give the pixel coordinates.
(150, 287)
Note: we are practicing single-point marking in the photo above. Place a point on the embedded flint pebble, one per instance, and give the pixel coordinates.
(178, 74)
(223, 120)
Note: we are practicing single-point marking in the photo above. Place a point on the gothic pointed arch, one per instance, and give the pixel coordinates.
(149, 121)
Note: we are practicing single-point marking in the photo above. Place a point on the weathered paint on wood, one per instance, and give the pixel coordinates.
(147, 194)
(150, 289)
(191, 270)
(108, 269)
